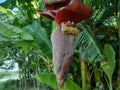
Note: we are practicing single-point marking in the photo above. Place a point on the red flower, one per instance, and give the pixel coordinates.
(74, 11)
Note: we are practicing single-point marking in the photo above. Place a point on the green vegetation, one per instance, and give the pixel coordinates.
(9, 85)
(25, 39)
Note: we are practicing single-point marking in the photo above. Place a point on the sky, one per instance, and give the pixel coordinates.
(1, 1)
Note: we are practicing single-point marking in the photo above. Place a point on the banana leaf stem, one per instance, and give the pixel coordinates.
(110, 88)
(96, 74)
(83, 74)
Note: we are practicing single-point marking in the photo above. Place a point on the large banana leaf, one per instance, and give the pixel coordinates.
(14, 33)
(41, 38)
(108, 66)
(50, 80)
(88, 47)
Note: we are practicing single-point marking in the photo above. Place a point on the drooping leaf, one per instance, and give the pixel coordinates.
(109, 65)
(41, 38)
(13, 32)
(50, 80)
(88, 47)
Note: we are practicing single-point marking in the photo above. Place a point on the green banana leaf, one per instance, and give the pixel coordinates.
(41, 37)
(109, 65)
(89, 48)
(14, 33)
(50, 80)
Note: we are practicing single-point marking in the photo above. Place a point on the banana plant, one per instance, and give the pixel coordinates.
(66, 13)
(85, 46)
(108, 66)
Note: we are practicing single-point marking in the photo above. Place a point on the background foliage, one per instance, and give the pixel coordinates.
(25, 39)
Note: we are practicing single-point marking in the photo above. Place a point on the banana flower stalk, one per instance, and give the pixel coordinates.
(66, 13)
